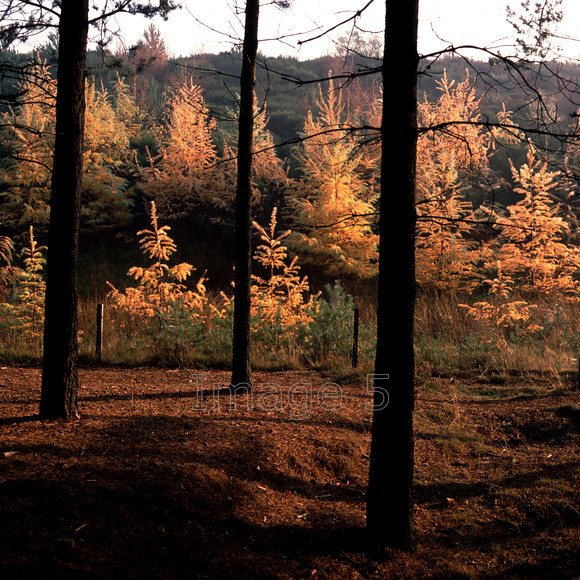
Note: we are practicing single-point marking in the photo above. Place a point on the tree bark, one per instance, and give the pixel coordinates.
(59, 369)
(241, 371)
(390, 506)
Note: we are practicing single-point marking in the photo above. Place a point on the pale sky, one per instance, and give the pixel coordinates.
(478, 22)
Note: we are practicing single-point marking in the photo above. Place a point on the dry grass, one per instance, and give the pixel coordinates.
(447, 341)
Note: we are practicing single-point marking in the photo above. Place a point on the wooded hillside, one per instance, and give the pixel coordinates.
(498, 217)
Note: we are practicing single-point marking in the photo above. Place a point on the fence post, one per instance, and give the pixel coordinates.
(355, 340)
(99, 339)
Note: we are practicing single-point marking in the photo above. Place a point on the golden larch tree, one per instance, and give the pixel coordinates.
(29, 132)
(533, 240)
(28, 136)
(332, 201)
(107, 160)
(448, 160)
(161, 290)
(181, 179)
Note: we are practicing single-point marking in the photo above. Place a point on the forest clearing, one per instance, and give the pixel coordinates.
(270, 318)
(147, 486)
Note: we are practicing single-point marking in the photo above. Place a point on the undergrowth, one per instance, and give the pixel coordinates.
(166, 320)
(447, 342)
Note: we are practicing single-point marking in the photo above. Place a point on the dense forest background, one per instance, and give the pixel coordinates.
(498, 212)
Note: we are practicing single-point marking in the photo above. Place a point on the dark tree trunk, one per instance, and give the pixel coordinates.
(241, 372)
(59, 368)
(390, 506)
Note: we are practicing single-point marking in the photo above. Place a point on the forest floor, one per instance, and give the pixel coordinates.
(155, 481)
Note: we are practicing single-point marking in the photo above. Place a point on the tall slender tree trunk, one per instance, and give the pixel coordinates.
(59, 369)
(390, 506)
(241, 372)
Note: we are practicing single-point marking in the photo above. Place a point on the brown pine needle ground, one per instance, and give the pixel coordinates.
(145, 486)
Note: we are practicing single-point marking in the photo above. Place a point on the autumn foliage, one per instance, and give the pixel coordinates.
(161, 292)
(497, 228)
(333, 202)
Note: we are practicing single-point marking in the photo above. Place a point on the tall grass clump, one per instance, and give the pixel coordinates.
(449, 338)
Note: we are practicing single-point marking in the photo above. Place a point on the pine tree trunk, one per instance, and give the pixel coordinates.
(390, 506)
(243, 253)
(59, 369)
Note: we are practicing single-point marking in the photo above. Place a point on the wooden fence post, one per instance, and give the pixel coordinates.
(355, 340)
(99, 340)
